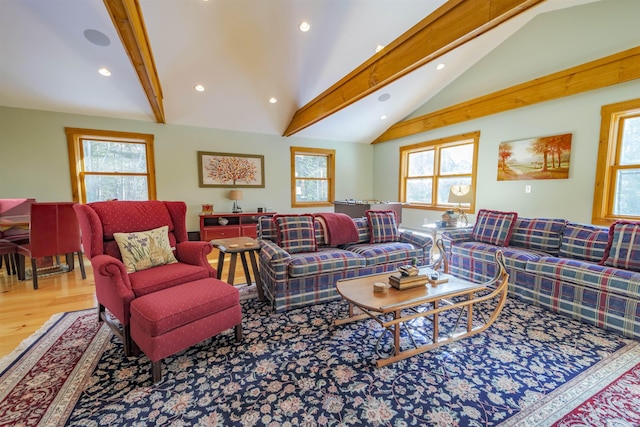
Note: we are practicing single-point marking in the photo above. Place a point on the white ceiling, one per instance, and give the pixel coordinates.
(242, 51)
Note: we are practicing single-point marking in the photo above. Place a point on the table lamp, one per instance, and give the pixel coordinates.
(461, 193)
(236, 195)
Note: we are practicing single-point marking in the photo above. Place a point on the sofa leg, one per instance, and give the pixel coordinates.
(239, 332)
(156, 371)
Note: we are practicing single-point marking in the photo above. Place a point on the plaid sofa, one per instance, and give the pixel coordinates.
(562, 266)
(292, 280)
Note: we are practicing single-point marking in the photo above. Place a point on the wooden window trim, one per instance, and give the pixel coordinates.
(465, 138)
(607, 160)
(331, 156)
(74, 147)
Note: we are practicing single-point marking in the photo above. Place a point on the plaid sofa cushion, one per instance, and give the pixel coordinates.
(296, 233)
(362, 225)
(588, 275)
(383, 226)
(623, 246)
(538, 234)
(583, 241)
(267, 230)
(494, 227)
(387, 253)
(323, 261)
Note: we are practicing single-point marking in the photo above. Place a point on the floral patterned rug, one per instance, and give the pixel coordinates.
(531, 368)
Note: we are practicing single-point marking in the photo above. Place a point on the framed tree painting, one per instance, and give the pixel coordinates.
(546, 157)
(230, 170)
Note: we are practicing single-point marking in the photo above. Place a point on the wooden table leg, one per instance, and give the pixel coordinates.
(436, 320)
(256, 275)
(470, 313)
(220, 264)
(245, 267)
(232, 268)
(396, 333)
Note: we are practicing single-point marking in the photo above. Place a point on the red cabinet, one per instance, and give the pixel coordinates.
(238, 224)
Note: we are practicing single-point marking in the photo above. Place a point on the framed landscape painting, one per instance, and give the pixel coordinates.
(547, 157)
(230, 170)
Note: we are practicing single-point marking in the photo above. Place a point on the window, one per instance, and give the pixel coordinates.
(429, 169)
(107, 165)
(312, 177)
(617, 194)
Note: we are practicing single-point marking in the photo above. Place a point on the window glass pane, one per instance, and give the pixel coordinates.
(105, 156)
(106, 187)
(421, 163)
(420, 190)
(312, 190)
(444, 186)
(456, 160)
(627, 197)
(630, 151)
(308, 166)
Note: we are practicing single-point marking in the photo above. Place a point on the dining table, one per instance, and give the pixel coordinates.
(8, 222)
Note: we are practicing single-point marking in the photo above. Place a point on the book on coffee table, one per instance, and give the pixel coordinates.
(401, 282)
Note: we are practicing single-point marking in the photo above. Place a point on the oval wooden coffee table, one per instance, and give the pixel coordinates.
(403, 303)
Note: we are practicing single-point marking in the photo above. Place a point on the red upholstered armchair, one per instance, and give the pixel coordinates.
(115, 288)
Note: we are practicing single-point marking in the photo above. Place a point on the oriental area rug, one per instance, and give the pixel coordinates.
(531, 368)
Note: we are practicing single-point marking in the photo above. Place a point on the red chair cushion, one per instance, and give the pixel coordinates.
(163, 311)
(165, 276)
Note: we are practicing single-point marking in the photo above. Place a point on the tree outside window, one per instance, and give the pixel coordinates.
(108, 165)
(429, 169)
(312, 177)
(617, 194)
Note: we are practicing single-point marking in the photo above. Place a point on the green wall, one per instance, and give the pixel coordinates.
(34, 161)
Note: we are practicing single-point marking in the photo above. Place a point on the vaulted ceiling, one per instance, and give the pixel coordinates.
(329, 82)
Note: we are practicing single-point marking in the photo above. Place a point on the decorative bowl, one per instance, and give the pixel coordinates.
(223, 221)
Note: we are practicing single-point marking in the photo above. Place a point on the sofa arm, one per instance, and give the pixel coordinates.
(273, 254)
(113, 287)
(419, 240)
(195, 253)
(457, 236)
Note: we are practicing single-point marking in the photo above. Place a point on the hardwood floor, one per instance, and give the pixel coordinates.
(23, 310)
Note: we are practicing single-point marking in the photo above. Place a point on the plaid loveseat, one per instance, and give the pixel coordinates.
(582, 271)
(307, 277)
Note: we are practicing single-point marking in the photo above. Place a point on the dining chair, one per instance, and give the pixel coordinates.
(8, 251)
(53, 230)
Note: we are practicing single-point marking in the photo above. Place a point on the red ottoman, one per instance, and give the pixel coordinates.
(171, 320)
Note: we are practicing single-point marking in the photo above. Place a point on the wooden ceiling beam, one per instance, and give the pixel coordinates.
(453, 24)
(128, 21)
(611, 70)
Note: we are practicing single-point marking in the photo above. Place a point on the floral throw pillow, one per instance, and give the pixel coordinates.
(145, 249)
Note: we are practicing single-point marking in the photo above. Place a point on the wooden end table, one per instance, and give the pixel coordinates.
(242, 246)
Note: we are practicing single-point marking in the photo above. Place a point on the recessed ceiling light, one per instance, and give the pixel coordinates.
(104, 71)
(273, 100)
(383, 117)
(379, 48)
(304, 26)
(199, 88)
(440, 66)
